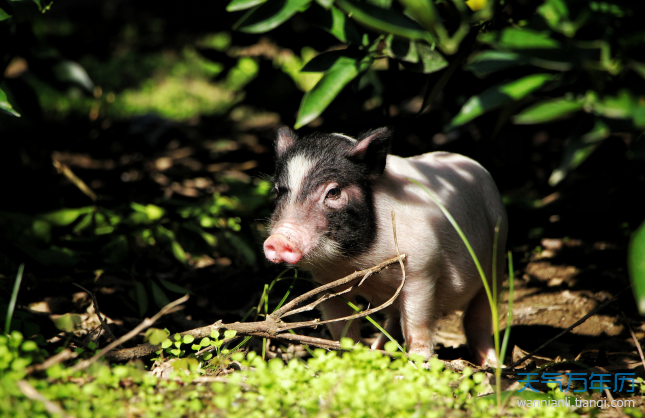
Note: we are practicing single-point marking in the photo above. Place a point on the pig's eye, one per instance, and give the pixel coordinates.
(333, 193)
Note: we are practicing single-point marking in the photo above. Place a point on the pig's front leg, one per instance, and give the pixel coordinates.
(338, 308)
(418, 315)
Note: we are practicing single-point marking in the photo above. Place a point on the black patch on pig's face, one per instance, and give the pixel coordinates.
(308, 163)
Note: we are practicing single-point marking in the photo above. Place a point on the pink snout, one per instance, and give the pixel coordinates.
(277, 248)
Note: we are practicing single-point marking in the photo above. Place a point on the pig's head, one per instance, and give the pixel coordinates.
(323, 196)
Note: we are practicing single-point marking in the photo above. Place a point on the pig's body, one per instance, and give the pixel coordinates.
(441, 275)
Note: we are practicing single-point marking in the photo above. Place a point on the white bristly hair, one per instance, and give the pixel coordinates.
(345, 136)
(298, 167)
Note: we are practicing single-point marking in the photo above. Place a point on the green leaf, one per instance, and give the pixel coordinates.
(4, 104)
(401, 49)
(269, 15)
(323, 62)
(490, 61)
(616, 107)
(335, 22)
(65, 217)
(67, 322)
(385, 21)
(638, 67)
(424, 12)
(556, 14)
(215, 334)
(636, 264)
(6, 10)
(158, 295)
(548, 110)
(174, 287)
(142, 298)
(156, 336)
(237, 5)
(497, 96)
(205, 342)
(577, 149)
(316, 100)
(520, 38)
(430, 60)
(230, 333)
(187, 339)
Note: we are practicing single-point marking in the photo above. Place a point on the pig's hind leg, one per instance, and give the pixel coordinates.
(478, 328)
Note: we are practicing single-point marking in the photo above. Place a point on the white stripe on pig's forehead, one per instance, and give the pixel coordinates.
(298, 167)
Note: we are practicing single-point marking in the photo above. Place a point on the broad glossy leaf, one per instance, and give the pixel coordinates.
(385, 21)
(159, 295)
(65, 217)
(490, 61)
(383, 4)
(520, 38)
(430, 60)
(316, 100)
(548, 110)
(401, 49)
(174, 287)
(556, 14)
(237, 5)
(335, 22)
(6, 10)
(323, 62)
(636, 264)
(620, 106)
(424, 12)
(577, 149)
(497, 96)
(270, 15)
(5, 106)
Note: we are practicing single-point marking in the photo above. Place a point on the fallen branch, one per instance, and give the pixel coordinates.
(273, 327)
(95, 302)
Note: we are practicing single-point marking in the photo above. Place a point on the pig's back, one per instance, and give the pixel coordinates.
(467, 191)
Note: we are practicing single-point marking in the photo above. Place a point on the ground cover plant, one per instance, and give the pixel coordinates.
(138, 170)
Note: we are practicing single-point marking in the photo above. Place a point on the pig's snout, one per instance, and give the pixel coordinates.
(277, 248)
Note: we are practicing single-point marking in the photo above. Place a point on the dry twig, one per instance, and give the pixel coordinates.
(64, 355)
(636, 343)
(104, 324)
(145, 324)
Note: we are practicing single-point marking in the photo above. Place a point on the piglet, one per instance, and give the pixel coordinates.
(334, 196)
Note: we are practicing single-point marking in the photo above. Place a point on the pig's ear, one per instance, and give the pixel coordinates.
(286, 139)
(371, 149)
